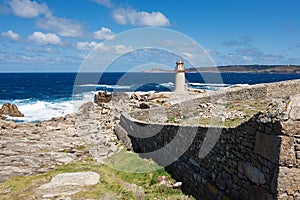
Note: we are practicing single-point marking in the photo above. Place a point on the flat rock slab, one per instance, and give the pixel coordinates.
(68, 184)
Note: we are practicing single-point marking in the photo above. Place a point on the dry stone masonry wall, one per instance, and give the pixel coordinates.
(259, 159)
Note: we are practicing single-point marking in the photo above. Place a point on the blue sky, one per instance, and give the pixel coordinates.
(57, 35)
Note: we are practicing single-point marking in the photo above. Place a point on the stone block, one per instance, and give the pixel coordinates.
(287, 153)
(288, 180)
(253, 173)
(267, 146)
(294, 112)
(291, 128)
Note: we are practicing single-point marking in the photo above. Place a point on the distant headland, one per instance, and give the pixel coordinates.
(278, 69)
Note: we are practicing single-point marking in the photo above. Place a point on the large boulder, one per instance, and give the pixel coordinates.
(102, 97)
(11, 110)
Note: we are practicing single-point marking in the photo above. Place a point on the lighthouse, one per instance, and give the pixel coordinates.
(180, 85)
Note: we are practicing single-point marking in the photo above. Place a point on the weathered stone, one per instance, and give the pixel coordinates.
(294, 111)
(68, 184)
(288, 180)
(11, 110)
(290, 128)
(7, 124)
(139, 97)
(158, 96)
(287, 154)
(102, 97)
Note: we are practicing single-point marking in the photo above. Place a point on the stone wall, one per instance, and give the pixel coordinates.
(259, 159)
(289, 157)
(260, 91)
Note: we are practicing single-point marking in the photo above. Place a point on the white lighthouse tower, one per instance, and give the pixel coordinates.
(180, 85)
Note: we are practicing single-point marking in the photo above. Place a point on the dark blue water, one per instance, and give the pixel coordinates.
(49, 86)
(41, 96)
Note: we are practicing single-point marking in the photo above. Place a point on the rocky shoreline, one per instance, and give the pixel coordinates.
(35, 148)
(28, 149)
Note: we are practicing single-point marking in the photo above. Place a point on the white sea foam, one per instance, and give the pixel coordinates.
(36, 110)
(42, 110)
(106, 86)
(210, 84)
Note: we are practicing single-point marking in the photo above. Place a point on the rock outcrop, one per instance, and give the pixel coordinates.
(102, 97)
(33, 148)
(11, 110)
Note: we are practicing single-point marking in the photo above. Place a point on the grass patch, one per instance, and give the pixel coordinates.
(170, 119)
(114, 184)
(233, 122)
(249, 107)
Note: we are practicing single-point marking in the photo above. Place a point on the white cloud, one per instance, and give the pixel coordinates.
(100, 47)
(103, 34)
(61, 26)
(133, 17)
(44, 39)
(106, 3)
(86, 45)
(28, 9)
(113, 49)
(11, 35)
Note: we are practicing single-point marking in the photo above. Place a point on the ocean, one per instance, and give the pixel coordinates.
(41, 96)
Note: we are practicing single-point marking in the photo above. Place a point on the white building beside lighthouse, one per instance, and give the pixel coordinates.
(180, 85)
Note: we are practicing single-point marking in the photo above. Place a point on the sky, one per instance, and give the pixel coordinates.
(59, 35)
